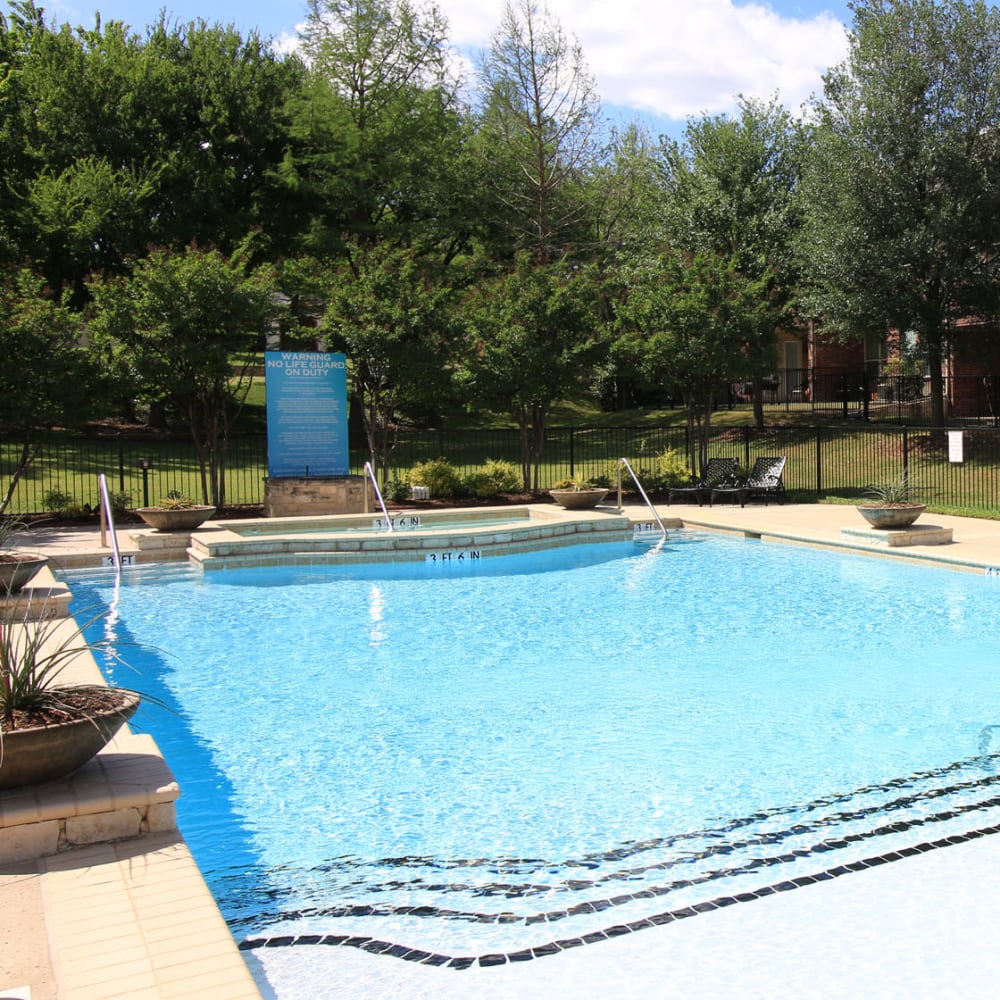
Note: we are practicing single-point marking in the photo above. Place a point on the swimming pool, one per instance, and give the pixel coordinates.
(501, 758)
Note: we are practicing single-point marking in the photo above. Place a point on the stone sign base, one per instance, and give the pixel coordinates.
(312, 495)
(915, 534)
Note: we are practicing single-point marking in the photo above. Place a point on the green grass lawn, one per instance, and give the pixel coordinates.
(828, 457)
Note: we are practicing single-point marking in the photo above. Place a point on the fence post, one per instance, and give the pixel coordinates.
(746, 446)
(819, 461)
(572, 453)
(906, 452)
(121, 464)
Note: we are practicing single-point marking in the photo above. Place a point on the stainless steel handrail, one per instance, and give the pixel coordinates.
(108, 523)
(378, 495)
(635, 479)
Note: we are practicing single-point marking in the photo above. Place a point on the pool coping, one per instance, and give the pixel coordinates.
(95, 862)
(45, 889)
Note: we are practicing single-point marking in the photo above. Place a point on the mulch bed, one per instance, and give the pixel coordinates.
(63, 705)
(241, 511)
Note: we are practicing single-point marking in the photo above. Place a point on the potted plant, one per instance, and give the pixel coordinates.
(48, 729)
(891, 504)
(175, 512)
(578, 493)
(16, 567)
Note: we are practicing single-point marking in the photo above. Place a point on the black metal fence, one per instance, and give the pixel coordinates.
(957, 467)
(870, 395)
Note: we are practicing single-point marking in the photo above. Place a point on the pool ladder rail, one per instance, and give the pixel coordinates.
(108, 524)
(623, 463)
(378, 496)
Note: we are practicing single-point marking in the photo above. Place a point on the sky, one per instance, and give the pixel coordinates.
(657, 61)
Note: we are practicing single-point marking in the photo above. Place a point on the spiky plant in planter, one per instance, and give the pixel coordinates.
(48, 729)
(578, 493)
(892, 504)
(176, 512)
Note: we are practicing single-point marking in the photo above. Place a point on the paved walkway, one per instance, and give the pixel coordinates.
(976, 541)
(921, 927)
(975, 545)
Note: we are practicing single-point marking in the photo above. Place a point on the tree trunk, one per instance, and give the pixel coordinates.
(758, 403)
(29, 449)
(692, 435)
(538, 426)
(934, 366)
(524, 425)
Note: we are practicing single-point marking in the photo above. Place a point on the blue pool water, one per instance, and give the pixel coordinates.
(538, 747)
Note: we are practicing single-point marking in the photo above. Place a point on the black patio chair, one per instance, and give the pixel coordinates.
(763, 483)
(718, 472)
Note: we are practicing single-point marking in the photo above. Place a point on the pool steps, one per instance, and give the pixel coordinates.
(461, 912)
(355, 539)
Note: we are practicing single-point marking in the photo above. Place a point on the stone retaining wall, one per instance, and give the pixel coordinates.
(297, 497)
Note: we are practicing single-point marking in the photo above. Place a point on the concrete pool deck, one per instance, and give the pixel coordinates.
(134, 918)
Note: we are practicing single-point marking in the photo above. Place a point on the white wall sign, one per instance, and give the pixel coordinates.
(956, 446)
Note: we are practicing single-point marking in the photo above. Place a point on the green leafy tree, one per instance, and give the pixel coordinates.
(378, 150)
(390, 314)
(730, 190)
(186, 328)
(47, 378)
(694, 323)
(114, 141)
(533, 337)
(902, 195)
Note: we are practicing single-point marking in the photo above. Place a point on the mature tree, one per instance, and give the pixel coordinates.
(390, 315)
(533, 337)
(47, 379)
(378, 152)
(540, 115)
(223, 131)
(730, 190)
(186, 328)
(694, 323)
(16, 29)
(903, 191)
(113, 142)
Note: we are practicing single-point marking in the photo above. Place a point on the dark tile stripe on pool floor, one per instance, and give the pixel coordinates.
(737, 858)
(378, 947)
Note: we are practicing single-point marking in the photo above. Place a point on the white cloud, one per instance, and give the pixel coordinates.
(289, 41)
(680, 58)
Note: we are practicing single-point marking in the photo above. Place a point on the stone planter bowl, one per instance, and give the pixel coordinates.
(175, 518)
(15, 573)
(892, 517)
(44, 753)
(578, 499)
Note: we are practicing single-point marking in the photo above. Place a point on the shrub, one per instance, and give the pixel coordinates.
(670, 468)
(65, 505)
(505, 476)
(120, 502)
(438, 475)
(657, 474)
(58, 501)
(479, 485)
(398, 489)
